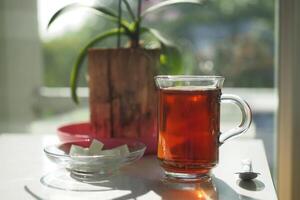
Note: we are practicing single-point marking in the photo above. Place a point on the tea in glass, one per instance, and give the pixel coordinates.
(189, 128)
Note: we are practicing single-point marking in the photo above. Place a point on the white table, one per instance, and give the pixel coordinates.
(23, 164)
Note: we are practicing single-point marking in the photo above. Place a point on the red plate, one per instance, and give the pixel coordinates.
(82, 132)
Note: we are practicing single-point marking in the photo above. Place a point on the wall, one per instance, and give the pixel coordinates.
(20, 64)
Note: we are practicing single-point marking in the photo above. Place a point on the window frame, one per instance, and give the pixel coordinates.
(288, 62)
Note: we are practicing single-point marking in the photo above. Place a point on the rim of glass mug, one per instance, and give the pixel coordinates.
(189, 76)
(211, 81)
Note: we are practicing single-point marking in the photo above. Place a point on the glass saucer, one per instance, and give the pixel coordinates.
(80, 171)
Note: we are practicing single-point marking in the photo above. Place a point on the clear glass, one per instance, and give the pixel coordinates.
(189, 124)
(80, 170)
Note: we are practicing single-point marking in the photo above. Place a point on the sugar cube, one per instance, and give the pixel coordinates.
(78, 151)
(96, 147)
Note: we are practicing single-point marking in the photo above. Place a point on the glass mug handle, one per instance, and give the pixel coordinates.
(246, 117)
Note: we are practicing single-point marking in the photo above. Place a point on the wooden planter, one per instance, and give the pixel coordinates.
(122, 93)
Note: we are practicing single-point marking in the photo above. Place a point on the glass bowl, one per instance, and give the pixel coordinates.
(89, 168)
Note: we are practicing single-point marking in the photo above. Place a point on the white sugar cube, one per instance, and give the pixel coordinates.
(96, 147)
(78, 151)
(123, 149)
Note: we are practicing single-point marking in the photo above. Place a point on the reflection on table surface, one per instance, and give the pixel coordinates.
(131, 187)
(145, 180)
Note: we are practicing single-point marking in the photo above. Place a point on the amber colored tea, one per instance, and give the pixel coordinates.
(189, 128)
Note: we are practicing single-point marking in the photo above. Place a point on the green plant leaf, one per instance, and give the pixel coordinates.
(98, 10)
(103, 11)
(170, 3)
(157, 35)
(170, 58)
(78, 63)
(128, 7)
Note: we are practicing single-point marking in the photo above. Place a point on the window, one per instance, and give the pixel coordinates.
(232, 38)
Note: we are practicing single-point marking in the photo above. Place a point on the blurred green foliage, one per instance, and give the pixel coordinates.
(233, 38)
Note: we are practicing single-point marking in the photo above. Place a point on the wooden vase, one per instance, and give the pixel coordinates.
(123, 102)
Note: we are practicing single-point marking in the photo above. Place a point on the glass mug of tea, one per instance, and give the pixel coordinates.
(189, 124)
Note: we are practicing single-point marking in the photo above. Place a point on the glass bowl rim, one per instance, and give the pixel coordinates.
(141, 148)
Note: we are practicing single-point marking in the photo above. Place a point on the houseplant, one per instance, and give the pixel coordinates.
(122, 93)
